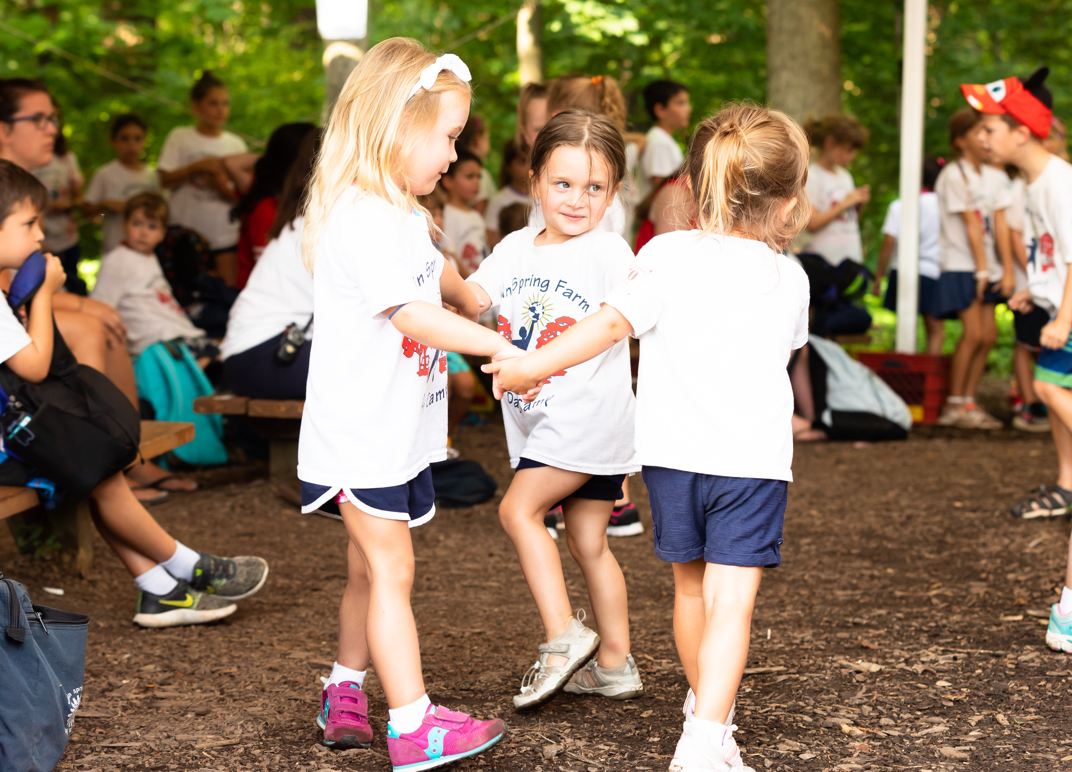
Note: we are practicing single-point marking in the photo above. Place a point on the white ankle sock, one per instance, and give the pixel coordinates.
(181, 564)
(1065, 605)
(340, 674)
(710, 733)
(958, 400)
(409, 717)
(156, 581)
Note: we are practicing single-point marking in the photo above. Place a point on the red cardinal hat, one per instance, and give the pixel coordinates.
(1028, 102)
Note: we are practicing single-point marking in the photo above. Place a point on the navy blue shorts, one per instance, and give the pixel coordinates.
(928, 295)
(731, 521)
(601, 487)
(413, 501)
(956, 292)
(1029, 327)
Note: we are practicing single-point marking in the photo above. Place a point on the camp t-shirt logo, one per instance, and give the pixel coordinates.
(427, 358)
(1041, 250)
(536, 314)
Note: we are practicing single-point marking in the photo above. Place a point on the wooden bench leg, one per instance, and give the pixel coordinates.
(283, 459)
(70, 525)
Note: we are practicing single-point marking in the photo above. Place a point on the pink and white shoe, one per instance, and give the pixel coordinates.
(442, 738)
(344, 716)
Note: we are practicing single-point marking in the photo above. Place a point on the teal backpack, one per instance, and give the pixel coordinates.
(170, 379)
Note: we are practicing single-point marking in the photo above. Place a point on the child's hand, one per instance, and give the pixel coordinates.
(1055, 334)
(114, 328)
(55, 276)
(510, 376)
(876, 288)
(1007, 285)
(1021, 301)
(981, 286)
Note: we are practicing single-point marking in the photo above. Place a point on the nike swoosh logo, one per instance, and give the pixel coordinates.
(185, 603)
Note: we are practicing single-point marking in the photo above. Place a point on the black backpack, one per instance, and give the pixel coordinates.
(461, 483)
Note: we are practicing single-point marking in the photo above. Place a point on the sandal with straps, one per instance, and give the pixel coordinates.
(1047, 502)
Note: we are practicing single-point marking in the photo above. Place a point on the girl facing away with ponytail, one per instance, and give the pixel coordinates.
(718, 491)
(366, 442)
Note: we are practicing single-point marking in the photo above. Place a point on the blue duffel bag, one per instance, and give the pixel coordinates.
(42, 664)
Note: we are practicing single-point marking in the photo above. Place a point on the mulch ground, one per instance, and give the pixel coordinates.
(904, 630)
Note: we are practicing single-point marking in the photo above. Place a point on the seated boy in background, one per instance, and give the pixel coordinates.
(179, 586)
(1017, 120)
(132, 281)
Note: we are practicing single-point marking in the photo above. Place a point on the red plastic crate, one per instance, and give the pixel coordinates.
(921, 380)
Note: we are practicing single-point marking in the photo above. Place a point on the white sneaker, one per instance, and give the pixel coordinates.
(617, 683)
(950, 415)
(578, 644)
(693, 754)
(977, 418)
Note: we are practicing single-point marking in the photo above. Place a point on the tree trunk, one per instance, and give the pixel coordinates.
(529, 42)
(340, 59)
(804, 57)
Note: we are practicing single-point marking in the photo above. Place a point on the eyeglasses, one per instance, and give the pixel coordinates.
(39, 120)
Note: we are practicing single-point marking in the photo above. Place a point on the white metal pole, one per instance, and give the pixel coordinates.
(913, 91)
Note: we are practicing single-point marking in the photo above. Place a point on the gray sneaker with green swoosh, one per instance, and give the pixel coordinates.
(182, 606)
(230, 578)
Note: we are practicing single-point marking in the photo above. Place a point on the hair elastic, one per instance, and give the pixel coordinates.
(449, 62)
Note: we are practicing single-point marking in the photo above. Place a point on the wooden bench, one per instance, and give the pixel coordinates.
(277, 420)
(75, 523)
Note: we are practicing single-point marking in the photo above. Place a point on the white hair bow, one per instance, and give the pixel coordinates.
(450, 62)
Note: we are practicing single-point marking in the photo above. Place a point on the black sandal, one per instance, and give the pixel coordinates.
(1048, 502)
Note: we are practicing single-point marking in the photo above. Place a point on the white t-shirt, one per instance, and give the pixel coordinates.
(930, 224)
(717, 318)
(115, 182)
(61, 176)
(1048, 233)
(195, 205)
(279, 293)
(134, 285)
(466, 233)
(487, 186)
(662, 157)
(376, 401)
(962, 189)
(1014, 218)
(840, 238)
(504, 198)
(13, 336)
(582, 420)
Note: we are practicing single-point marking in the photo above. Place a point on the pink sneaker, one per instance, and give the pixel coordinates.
(442, 738)
(344, 716)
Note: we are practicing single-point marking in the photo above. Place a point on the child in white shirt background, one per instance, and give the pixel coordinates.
(718, 492)
(574, 446)
(514, 178)
(115, 182)
(668, 105)
(463, 225)
(836, 200)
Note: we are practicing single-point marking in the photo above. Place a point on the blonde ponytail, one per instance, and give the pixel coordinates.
(744, 163)
(365, 139)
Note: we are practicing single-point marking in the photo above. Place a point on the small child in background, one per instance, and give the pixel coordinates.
(930, 225)
(668, 105)
(476, 139)
(132, 282)
(1029, 413)
(837, 201)
(513, 218)
(976, 264)
(514, 178)
(718, 507)
(64, 181)
(191, 165)
(463, 225)
(531, 116)
(577, 450)
(115, 182)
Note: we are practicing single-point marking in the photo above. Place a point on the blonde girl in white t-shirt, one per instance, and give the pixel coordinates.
(574, 446)
(376, 403)
(717, 478)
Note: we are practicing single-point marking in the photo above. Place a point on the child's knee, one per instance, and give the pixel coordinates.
(1044, 391)
(464, 386)
(587, 550)
(512, 514)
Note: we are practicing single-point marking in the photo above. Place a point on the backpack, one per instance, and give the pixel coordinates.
(852, 402)
(461, 483)
(187, 262)
(43, 659)
(75, 427)
(170, 379)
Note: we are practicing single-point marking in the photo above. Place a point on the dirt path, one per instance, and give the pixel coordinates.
(903, 631)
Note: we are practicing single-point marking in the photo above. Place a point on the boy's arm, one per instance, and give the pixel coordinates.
(173, 179)
(1019, 251)
(32, 362)
(483, 299)
(456, 293)
(585, 340)
(884, 253)
(1001, 241)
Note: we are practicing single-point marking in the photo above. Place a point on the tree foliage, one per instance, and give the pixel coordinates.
(270, 54)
